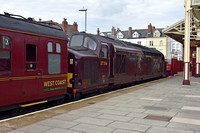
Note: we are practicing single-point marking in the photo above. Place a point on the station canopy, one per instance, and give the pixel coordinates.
(177, 30)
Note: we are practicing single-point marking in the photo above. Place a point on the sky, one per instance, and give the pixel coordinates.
(102, 14)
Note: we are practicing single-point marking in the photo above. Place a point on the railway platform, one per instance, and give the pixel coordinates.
(160, 106)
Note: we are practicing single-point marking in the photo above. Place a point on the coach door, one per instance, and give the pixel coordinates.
(31, 69)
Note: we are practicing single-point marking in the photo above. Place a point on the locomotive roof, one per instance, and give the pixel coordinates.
(30, 26)
(124, 44)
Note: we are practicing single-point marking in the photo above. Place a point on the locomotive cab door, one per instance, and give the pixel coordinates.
(106, 63)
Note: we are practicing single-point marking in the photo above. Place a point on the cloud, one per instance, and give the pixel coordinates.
(101, 14)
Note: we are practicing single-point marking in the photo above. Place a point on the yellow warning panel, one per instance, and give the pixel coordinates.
(69, 76)
(71, 61)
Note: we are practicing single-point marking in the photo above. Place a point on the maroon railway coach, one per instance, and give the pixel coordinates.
(33, 62)
(97, 63)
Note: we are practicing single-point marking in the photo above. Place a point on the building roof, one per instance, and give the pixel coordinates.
(143, 33)
(30, 26)
(176, 31)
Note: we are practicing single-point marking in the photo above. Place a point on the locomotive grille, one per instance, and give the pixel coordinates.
(86, 70)
(90, 71)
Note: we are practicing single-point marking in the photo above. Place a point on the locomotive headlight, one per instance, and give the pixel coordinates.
(71, 81)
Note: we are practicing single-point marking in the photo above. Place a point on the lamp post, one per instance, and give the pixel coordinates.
(84, 10)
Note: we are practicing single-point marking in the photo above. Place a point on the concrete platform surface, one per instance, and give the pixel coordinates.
(164, 107)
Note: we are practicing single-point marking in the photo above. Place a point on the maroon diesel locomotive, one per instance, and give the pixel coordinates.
(96, 63)
(33, 62)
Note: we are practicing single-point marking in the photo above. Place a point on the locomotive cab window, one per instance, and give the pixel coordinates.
(76, 40)
(104, 51)
(54, 58)
(89, 43)
(31, 57)
(5, 56)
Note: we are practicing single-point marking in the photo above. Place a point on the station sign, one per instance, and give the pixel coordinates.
(195, 43)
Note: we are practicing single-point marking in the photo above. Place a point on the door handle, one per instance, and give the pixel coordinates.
(40, 73)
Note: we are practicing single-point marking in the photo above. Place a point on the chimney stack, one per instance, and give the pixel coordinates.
(113, 31)
(117, 29)
(129, 31)
(65, 25)
(40, 20)
(149, 28)
(98, 31)
(75, 27)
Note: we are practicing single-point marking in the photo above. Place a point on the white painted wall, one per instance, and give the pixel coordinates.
(136, 40)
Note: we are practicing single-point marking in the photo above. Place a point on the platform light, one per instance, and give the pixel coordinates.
(84, 10)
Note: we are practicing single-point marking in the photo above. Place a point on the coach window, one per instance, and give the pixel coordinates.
(58, 50)
(50, 47)
(104, 51)
(6, 42)
(5, 56)
(54, 58)
(31, 57)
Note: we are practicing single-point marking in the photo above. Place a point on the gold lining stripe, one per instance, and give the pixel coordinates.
(32, 77)
(31, 104)
(32, 34)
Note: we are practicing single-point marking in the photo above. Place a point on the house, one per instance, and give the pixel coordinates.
(156, 39)
(151, 37)
(67, 28)
(168, 46)
(137, 36)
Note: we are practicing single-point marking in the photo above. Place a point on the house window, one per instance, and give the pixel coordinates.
(31, 57)
(161, 42)
(139, 42)
(120, 35)
(173, 47)
(54, 58)
(150, 43)
(156, 33)
(5, 56)
(135, 34)
(179, 47)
